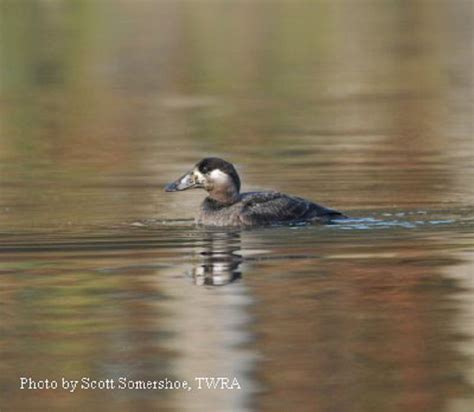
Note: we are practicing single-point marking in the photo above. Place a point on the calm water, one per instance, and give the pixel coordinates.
(362, 106)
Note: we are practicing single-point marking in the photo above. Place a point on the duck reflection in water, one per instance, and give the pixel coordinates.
(219, 261)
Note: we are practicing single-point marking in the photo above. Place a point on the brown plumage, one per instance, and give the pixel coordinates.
(226, 206)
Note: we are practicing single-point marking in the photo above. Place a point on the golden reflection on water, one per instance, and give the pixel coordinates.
(356, 327)
(364, 106)
(327, 320)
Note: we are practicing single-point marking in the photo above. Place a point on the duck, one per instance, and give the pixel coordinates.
(225, 205)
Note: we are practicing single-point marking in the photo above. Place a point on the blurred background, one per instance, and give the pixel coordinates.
(103, 102)
(364, 106)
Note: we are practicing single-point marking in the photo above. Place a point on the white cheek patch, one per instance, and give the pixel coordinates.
(198, 176)
(219, 176)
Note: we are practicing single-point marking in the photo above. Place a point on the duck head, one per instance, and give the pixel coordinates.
(218, 177)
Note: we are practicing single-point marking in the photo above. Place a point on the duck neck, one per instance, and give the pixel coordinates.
(225, 195)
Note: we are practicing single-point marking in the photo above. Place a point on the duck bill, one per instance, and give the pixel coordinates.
(183, 183)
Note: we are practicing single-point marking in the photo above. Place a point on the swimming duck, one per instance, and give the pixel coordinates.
(226, 206)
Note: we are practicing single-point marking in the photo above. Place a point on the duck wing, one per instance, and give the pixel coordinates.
(273, 207)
